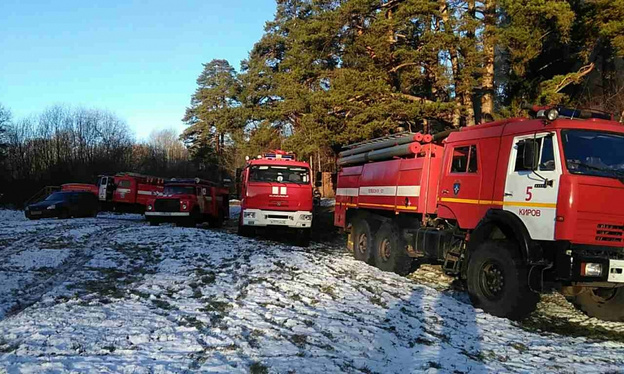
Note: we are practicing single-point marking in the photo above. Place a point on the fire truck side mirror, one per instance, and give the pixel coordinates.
(318, 180)
(530, 155)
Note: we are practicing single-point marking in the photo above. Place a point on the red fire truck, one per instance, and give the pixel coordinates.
(276, 193)
(514, 208)
(187, 202)
(123, 191)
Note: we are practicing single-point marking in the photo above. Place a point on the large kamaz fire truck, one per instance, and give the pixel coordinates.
(187, 202)
(276, 193)
(123, 191)
(513, 208)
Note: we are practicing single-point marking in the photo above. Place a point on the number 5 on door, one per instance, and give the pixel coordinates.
(529, 193)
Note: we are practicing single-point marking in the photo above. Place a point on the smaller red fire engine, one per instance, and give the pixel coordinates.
(188, 202)
(123, 191)
(276, 193)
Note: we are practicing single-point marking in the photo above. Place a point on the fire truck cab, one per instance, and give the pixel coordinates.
(276, 193)
(188, 202)
(514, 208)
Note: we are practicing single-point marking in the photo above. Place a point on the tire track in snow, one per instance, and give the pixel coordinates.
(30, 238)
(43, 284)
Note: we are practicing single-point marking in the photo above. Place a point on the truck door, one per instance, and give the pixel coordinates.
(460, 185)
(103, 188)
(201, 199)
(531, 191)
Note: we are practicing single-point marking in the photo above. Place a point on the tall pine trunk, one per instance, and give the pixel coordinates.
(467, 95)
(448, 29)
(489, 42)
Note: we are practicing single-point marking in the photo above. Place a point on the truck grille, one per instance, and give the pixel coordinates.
(167, 205)
(277, 216)
(606, 232)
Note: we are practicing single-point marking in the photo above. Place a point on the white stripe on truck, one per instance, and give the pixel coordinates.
(410, 191)
(347, 191)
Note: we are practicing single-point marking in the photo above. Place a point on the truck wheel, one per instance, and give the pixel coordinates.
(498, 281)
(362, 241)
(215, 222)
(153, 222)
(303, 237)
(245, 231)
(390, 250)
(606, 304)
(188, 222)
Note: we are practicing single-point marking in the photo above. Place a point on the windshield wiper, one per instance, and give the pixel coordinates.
(618, 173)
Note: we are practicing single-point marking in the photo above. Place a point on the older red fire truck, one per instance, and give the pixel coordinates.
(514, 208)
(276, 193)
(187, 202)
(123, 191)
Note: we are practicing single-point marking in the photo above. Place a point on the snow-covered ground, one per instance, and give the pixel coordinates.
(112, 294)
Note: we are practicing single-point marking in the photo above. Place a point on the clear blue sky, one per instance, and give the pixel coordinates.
(138, 59)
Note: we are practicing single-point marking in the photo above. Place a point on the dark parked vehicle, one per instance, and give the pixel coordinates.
(64, 204)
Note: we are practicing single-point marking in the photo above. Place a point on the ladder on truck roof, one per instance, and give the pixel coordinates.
(380, 139)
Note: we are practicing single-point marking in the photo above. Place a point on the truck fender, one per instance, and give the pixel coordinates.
(512, 227)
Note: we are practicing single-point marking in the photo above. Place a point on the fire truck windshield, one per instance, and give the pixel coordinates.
(179, 190)
(594, 153)
(279, 174)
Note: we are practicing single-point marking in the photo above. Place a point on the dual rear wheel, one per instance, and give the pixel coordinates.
(383, 248)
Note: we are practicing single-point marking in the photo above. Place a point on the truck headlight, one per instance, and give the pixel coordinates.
(149, 207)
(249, 214)
(591, 269)
(53, 206)
(184, 206)
(306, 217)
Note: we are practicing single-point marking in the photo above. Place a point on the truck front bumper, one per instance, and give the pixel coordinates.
(263, 218)
(585, 263)
(167, 214)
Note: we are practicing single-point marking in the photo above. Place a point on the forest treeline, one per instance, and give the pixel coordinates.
(328, 72)
(63, 145)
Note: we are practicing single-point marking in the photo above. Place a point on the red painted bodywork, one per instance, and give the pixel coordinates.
(592, 208)
(209, 200)
(257, 195)
(131, 189)
(80, 187)
(137, 189)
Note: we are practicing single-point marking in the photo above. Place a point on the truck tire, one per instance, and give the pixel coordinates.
(153, 222)
(390, 250)
(245, 231)
(362, 241)
(606, 304)
(303, 237)
(214, 222)
(497, 281)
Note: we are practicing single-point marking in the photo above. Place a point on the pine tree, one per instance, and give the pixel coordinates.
(214, 111)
